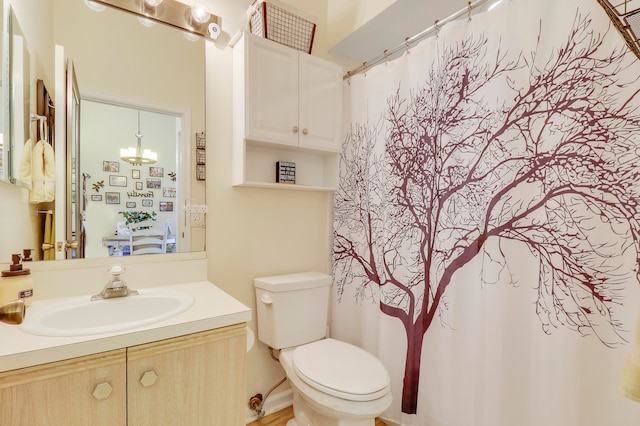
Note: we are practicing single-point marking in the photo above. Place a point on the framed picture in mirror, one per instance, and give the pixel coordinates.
(135, 174)
(147, 203)
(156, 171)
(112, 197)
(111, 166)
(154, 183)
(115, 180)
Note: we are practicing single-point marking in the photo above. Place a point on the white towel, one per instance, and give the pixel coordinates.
(24, 173)
(43, 173)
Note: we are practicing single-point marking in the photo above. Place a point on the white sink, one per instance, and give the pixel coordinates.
(79, 316)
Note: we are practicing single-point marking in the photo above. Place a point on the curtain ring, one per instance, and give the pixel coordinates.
(437, 28)
(406, 43)
(469, 10)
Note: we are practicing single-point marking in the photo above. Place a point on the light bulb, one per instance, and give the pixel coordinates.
(190, 36)
(200, 13)
(153, 3)
(97, 7)
(146, 22)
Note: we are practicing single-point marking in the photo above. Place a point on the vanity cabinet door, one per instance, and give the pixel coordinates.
(198, 379)
(88, 390)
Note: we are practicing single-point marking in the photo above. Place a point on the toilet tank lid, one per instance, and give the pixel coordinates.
(290, 282)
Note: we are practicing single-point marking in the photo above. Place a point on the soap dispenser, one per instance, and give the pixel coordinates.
(16, 283)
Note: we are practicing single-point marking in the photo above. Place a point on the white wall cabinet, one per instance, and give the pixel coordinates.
(287, 107)
(198, 379)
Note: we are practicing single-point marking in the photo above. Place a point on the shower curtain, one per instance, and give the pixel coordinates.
(487, 221)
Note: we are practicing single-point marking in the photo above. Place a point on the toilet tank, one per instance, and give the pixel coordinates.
(292, 309)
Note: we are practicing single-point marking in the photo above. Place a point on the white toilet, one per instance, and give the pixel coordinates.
(334, 383)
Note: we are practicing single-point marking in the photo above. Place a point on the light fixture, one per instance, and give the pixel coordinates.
(196, 19)
(146, 22)
(214, 30)
(190, 36)
(200, 13)
(137, 156)
(96, 7)
(626, 18)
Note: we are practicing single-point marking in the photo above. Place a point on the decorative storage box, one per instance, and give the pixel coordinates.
(275, 23)
(285, 172)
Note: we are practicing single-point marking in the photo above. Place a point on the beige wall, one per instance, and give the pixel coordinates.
(15, 211)
(347, 16)
(259, 232)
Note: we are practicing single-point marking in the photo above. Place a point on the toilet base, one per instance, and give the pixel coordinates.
(305, 415)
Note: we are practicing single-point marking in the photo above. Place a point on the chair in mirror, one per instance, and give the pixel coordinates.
(147, 237)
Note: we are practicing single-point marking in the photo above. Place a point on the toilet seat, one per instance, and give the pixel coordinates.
(342, 370)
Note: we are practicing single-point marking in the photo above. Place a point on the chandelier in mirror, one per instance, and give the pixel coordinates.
(137, 156)
(625, 15)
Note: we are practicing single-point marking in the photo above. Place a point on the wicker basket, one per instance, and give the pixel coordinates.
(275, 23)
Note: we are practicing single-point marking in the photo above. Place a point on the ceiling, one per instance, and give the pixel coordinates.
(390, 28)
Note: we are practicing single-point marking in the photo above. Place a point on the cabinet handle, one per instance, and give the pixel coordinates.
(295, 129)
(149, 378)
(102, 391)
(305, 131)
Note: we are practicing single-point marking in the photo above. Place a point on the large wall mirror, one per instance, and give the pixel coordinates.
(135, 81)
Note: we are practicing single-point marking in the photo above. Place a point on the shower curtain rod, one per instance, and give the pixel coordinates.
(415, 38)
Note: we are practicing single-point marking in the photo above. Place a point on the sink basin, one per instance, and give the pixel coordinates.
(79, 316)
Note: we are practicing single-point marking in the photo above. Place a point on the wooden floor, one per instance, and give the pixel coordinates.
(280, 418)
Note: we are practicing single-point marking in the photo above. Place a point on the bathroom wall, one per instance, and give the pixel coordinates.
(344, 17)
(14, 202)
(258, 232)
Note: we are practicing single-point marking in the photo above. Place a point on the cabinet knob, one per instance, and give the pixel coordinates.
(295, 129)
(305, 131)
(102, 391)
(149, 378)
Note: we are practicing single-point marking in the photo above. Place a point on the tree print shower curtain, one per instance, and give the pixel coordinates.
(487, 221)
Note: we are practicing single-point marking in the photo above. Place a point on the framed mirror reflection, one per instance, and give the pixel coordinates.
(152, 72)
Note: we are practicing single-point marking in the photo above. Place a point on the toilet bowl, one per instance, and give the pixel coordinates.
(335, 384)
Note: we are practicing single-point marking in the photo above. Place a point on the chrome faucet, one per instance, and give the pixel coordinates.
(13, 312)
(116, 287)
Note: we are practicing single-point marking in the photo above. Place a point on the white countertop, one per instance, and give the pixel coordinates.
(212, 308)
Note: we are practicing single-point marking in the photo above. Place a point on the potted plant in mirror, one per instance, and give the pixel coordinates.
(133, 216)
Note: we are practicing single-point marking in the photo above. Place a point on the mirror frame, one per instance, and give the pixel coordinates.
(59, 92)
(74, 238)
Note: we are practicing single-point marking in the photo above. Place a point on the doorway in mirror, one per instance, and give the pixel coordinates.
(120, 192)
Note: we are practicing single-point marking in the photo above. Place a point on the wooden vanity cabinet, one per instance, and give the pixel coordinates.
(90, 390)
(197, 379)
